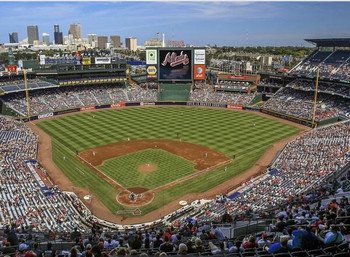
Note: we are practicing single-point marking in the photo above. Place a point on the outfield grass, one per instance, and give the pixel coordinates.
(230, 132)
(169, 167)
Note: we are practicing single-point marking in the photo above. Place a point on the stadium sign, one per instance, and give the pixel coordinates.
(151, 72)
(199, 72)
(199, 56)
(118, 105)
(145, 104)
(234, 107)
(12, 68)
(46, 115)
(206, 104)
(42, 59)
(151, 56)
(102, 60)
(174, 60)
(87, 108)
(175, 64)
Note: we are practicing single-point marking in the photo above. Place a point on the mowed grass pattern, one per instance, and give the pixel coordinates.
(245, 135)
(169, 167)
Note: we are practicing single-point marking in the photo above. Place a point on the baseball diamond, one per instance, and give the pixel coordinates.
(223, 133)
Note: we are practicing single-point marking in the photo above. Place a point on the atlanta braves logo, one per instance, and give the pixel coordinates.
(175, 60)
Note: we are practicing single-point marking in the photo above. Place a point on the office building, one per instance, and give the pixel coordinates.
(33, 34)
(13, 37)
(102, 41)
(131, 43)
(92, 40)
(58, 36)
(115, 41)
(46, 39)
(75, 30)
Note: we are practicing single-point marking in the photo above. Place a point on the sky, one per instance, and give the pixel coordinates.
(197, 23)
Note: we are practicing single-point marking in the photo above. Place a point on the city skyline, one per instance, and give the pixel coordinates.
(214, 23)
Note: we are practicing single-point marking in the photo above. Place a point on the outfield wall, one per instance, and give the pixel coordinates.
(170, 103)
(133, 104)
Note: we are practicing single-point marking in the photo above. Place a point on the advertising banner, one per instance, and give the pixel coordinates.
(151, 72)
(175, 64)
(87, 108)
(102, 60)
(237, 77)
(118, 105)
(42, 59)
(86, 61)
(206, 104)
(199, 72)
(11, 68)
(145, 104)
(234, 107)
(151, 56)
(199, 56)
(46, 115)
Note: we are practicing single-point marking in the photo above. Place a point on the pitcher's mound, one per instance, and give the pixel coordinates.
(147, 167)
(135, 196)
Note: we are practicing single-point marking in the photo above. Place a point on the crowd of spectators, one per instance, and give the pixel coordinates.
(270, 83)
(49, 100)
(149, 85)
(333, 65)
(329, 88)
(19, 81)
(61, 98)
(204, 95)
(24, 199)
(233, 85)
(299, 104)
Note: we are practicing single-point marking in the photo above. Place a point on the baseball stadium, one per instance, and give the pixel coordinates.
(177, 152)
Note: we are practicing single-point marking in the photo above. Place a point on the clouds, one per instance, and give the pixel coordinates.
(193, 22)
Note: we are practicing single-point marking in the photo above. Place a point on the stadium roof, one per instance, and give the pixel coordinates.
(330, 42)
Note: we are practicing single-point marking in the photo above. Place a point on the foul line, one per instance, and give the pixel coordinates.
(107, 178)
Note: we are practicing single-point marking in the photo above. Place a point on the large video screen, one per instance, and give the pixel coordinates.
(175, 64)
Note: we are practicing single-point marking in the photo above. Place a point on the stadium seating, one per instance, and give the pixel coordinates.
(333, 65)
(73, 97)
(24, 197)
(299, 103)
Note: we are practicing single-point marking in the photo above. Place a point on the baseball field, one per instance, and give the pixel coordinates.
(161, 154)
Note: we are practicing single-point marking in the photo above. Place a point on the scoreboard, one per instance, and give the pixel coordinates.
(175, 64)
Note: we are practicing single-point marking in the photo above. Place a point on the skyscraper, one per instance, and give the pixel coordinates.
(58, 36)
(75, 30)
(46, 39)
(13, 37)
(115, 40)
(131, 43)
(33, 34)
(102, 41)
(92, 40)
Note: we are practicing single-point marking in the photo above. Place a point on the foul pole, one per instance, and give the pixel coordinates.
(315, 99)
(27, 93)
